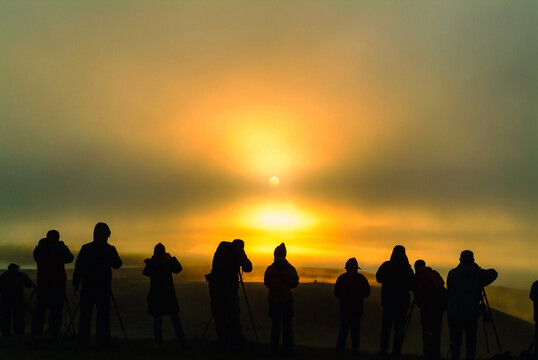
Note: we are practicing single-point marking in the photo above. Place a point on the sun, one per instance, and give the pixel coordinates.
(274, 181)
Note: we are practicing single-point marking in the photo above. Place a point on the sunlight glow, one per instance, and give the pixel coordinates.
(278, 218)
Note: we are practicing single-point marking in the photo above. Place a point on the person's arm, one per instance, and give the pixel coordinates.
(487, 276)
(338, 287)
(115, 262)
(67, 256)
(79, 269)
(147, 268)
(293, 278)
(27, 282)
(381, 273)
(267, 277)
(176, 266)
(365, 286)
(534, 292)
(245, 263)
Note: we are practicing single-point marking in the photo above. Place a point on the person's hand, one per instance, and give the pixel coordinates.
(147, 260)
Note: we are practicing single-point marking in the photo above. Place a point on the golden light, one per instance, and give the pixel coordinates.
(274, 181)
(277, 217)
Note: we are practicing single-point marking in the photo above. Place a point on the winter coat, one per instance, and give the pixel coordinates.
(426, 281)
(50, 255)
(227, 262)
(351, 288)
(161, 297)
(93, 267)
(534, 297)
(280, 277)
(12, 284)
(465, 284)
(397, 279)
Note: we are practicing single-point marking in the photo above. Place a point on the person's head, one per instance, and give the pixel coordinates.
(280, 252)
(419, 265)
(398, 254)
(352, 265)
(159, 250)
(53, 234)
(466, 257)
(13, 267)
(101, 232)
(239, 244)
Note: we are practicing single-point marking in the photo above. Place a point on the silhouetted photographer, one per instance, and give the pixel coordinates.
(12, 303)
(431, 297)
(162, 299)
(465, 285)
(397, 279)
(280, 277)
(534, 297)
(93, 276)
(50, 255)
(351, 288)
(229, 259)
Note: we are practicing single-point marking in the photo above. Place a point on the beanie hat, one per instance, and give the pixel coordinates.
(352, 264)
(280, 251)
(159, 249)
(467, 257)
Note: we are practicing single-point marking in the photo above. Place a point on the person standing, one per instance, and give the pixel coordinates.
(162, 298)
(351, 289)
(12, 303)
(228, 260)
(93, 276)
(280, 277)
(430, 297)
(50, 255)
(534, 297)
(397, 279)
(465, 284)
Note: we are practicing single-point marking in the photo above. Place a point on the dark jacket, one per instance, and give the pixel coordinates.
(351, 288)
(397, 279)
(534, 297)
(93, 267)
(161, 297)
(280, 277)
(12, 284)
(465, 284)
(50, 255)
(426, 281)
(227, 262)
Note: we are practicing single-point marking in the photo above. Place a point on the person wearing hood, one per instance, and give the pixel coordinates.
(93, 277)
(161, 297)
(280, 277)
(430, 297)
(397, 279)
(465, 285)
(351, 289)
(12, 304)
(51, 255)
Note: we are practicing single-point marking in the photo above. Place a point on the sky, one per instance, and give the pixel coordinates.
(385, 123)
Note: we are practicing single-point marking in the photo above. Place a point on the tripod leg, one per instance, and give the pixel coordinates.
(492, 322)
(71, 322)
(207, 327)
(71, 316)
(118, 313)
(248, 307)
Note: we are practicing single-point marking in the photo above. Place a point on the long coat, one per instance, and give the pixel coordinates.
(161, 297)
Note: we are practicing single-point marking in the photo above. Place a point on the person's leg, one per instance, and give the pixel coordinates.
(85, 318)
(400, 320)
(456, 337)
(355, 325)
(41, 305)
(57, 297)
(342, 332)
(387, 319)
(178, 328)
(275, 312)
(103, 318)
(18, 318)
(426, 338)
(471, 329)
(287, 327)
(158, 328)
(437, 325)
(5, 317)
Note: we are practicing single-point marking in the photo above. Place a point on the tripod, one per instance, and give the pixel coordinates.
(487, 317)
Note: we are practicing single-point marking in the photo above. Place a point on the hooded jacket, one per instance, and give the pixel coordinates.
(50, 255)
(396, 278)
(93, 267)
(280, 277)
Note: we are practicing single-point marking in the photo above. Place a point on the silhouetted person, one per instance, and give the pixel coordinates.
(351, 288)
(429, 290)
(229, 259)
(13, 304)
(397, 279)
(50, 255)
(534, 297)
(162, 298)
(280, 277)
(465, 285)
(93, 276)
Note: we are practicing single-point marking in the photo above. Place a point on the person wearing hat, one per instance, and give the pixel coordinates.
(12, 304)
(162, 298)
(465, 284)
(93, 277)
(351, 288)
(280, 277)
(397, 280)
